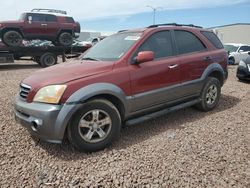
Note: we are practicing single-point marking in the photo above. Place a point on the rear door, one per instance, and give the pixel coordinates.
(151, 81)
(194, 59)
(52, 25)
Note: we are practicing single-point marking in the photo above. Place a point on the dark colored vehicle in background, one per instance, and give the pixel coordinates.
(43, 24)
(243, 71)
(126, 78)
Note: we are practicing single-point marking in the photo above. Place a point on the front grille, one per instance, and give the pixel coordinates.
(24, 91)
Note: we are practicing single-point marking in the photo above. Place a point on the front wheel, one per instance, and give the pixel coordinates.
(95, 126)
(12, 38)
(231, 61)
(210, 95)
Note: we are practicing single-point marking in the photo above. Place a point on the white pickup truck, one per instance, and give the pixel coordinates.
(237, 52)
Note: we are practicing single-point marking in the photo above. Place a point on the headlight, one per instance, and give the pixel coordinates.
(50, 94)
(243, 64)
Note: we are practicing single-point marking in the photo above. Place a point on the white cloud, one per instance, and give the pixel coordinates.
(96, 9)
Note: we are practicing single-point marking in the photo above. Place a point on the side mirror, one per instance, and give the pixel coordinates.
(30, 19)
(144, 56)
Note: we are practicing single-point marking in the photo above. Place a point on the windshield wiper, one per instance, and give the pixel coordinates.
(91, 59)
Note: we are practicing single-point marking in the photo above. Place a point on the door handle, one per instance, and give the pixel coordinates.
(172, 66)
(208, 58)
(43, 24)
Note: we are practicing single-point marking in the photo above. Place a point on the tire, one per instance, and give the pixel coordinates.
(210, 95)
(65, 39)
(12, 38)
(37, 60)
(101, 125)
(48, 59)
(231, 61)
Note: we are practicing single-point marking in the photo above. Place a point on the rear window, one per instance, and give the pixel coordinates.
(213, 39)
(51, 18)
(69, 20)
(188, 43)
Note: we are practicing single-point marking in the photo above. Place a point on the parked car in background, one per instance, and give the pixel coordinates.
(129, 77)
(80, 43)
(43, 24)
(97, 39)
(243, 71)
(237, 52)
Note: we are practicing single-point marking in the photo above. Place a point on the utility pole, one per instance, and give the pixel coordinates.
(154, 11)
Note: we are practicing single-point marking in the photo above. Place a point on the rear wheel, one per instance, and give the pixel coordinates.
(65, 39)
(210, 95)
(12, 38)
(95, 126)
(48, 59)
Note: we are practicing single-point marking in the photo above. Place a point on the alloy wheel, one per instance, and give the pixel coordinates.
(212, 94)
(94, 126)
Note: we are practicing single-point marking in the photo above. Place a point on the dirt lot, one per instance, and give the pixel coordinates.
(187, 148)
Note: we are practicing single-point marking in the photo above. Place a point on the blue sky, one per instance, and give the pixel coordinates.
(206, 17)
(114, 15)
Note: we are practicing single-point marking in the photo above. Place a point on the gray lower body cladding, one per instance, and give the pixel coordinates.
(38, 118)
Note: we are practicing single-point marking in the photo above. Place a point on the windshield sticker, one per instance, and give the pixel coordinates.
(132, 38)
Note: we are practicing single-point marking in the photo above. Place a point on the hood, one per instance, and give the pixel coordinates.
(66, 72)
(11, 22)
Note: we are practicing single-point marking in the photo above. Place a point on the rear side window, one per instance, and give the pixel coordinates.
(213, 39)
(187, 42)
(51, 18)
(69, 20)
(245, 48)
(160, 43)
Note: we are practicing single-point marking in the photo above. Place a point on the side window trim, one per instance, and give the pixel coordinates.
(156, 59)
(190, 53)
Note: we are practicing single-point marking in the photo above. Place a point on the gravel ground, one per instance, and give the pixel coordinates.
(187, 148)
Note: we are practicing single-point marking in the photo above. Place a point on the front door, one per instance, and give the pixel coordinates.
(155, 82)
(35, 26)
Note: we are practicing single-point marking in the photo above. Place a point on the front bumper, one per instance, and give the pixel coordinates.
(243, 73)
(40, 119)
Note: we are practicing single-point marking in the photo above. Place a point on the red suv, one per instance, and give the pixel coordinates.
(44, 24)
(126, 78)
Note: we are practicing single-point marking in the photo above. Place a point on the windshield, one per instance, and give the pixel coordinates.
(22, 17)
(230, 48)
(112, 48)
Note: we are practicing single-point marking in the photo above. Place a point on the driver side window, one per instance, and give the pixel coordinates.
(36, 17)
(160, 43)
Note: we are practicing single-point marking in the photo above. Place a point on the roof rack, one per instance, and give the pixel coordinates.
(122, 31)
(49, 11)
(174, 24)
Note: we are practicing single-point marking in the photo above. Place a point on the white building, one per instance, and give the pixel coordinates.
(233, 33)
